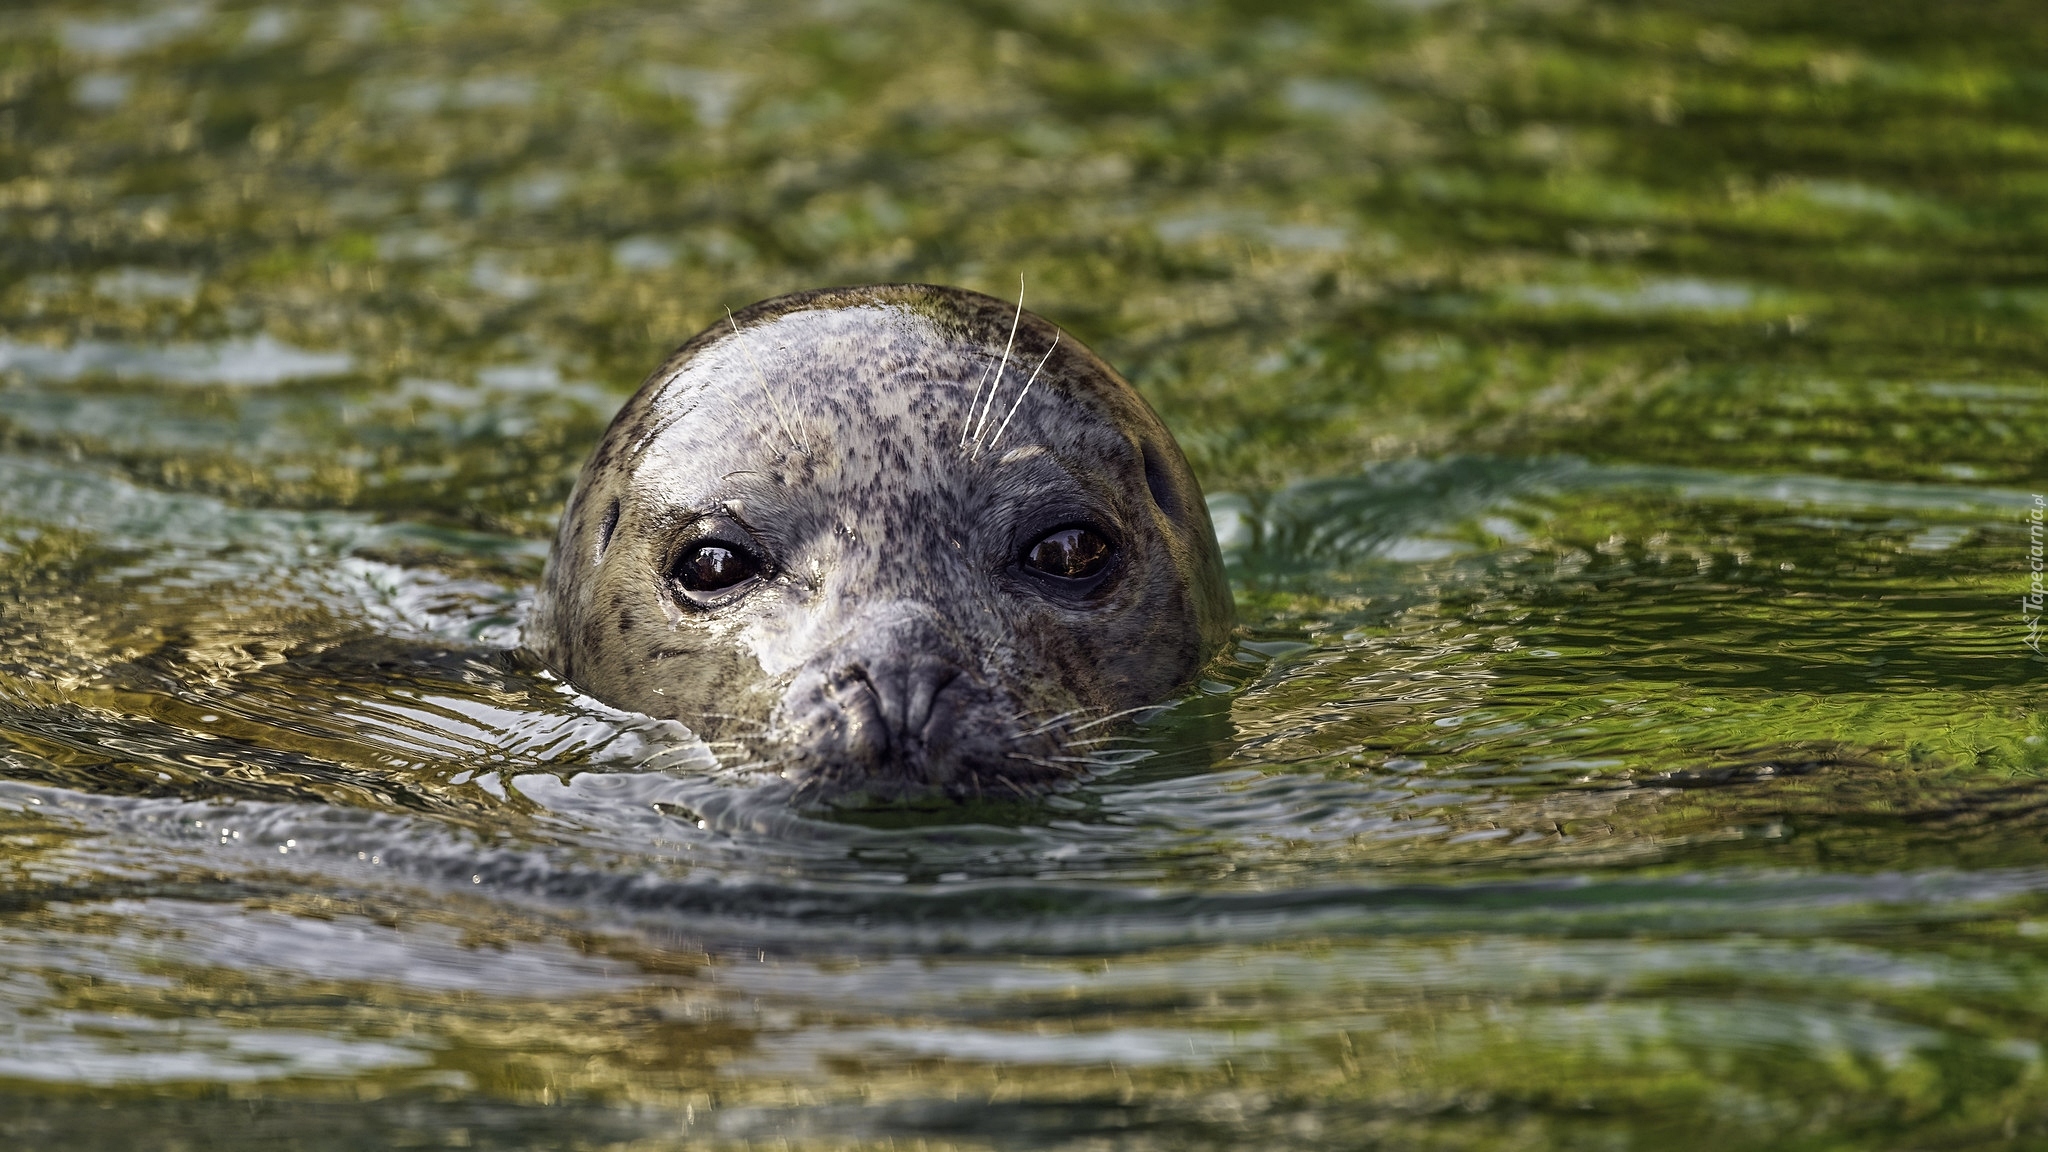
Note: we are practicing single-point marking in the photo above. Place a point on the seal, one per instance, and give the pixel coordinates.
(897, 540)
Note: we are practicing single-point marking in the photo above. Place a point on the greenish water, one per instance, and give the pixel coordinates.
(1623, 421)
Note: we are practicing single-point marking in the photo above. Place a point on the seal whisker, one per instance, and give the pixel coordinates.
(1005, 426)
(998, 385)
(761, 376)
(754, 724)
(976, 401)
(757, 765)
(1049, 725)
(1114, 716)
(1021, 713)
(1072, 720)
(754, 720)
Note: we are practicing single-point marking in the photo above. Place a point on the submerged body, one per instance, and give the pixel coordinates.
(904, 539)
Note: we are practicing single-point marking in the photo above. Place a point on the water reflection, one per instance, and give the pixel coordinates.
(1618, 419)
(314, 716)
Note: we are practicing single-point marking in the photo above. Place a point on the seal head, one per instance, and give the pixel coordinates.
(896, 540)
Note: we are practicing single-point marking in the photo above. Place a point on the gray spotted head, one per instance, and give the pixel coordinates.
(901, 540)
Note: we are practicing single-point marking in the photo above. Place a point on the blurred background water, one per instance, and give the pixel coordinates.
(1622, 419)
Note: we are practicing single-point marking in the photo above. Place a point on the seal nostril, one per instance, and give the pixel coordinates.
(924, 710)
(866, 727)
(896, 705)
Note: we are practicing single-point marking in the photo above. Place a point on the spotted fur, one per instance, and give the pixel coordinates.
(894, 644)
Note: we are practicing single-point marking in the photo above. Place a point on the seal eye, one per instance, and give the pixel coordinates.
(1069, 554)
(712, 567)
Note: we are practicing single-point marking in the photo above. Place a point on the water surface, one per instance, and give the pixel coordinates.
(1623, 422)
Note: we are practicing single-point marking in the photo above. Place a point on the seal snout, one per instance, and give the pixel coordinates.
(893, 706)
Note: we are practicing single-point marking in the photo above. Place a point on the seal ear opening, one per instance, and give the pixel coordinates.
(605, 528)
(1160, 481)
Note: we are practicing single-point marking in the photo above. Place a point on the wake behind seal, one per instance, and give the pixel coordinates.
(899, 540)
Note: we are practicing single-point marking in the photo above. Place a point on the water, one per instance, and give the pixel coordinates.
(1623, 422)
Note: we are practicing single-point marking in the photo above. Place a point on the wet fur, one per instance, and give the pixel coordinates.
(895, 646)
